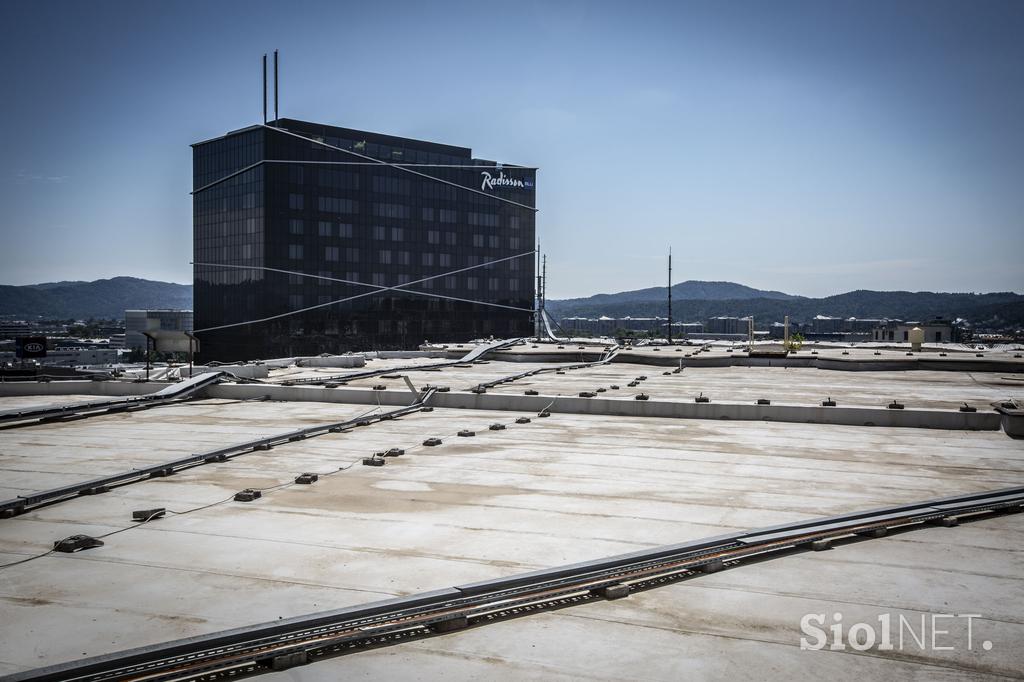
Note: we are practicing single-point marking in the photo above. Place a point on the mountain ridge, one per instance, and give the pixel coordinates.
(101, 298)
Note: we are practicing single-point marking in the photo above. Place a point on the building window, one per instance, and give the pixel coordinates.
(352, 276)
(378, 279)
(428, 213)
(331, 253)
(385, 257)
(337, 205)
(324, 278)
(449, 282)
(345, 230)
(433, 237)
(492, 283)
(403, 257)
(513, 242)
(380, 232)
(295, 251)
(391, 210)
(449, 239)
(428, 259)
(352, 254)
(397, 234)
(493, 241)
(296, 202)
(296, 226)
(478, 241)
(325, 228)
(513, 285)
(294, 301)
(445, 260)
(472, 283)
(447, 215)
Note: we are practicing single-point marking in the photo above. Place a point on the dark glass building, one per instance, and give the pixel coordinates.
(303, 216)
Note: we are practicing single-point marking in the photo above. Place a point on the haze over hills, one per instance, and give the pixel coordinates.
(697, 301)
(103, 298)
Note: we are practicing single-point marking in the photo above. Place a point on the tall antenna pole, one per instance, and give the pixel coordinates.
(537, 322)
(544, 285)
(275, 88)
(670, 295)
(264, 89)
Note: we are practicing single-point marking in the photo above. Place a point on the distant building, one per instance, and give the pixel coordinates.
(71, 357)
(727, 325)
(610, 326)
(340, 239)
(138, 321)
(897, 331)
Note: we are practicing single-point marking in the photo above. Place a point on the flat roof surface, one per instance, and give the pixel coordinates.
(557, 490)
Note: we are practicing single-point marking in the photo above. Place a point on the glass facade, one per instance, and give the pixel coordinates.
(292, 204)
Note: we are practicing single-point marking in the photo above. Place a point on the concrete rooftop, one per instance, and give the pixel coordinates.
(567, 488)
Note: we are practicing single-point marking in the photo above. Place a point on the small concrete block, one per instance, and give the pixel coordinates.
(248, 495)
(373, 461)
(496, 427)
(285, 661)
(307, 478)
(713, 566)
(523, 420)
(873, 533)
(76, 543)
(613, 592)
(821, 545)
(466, 433)
(148, 514)
(641, 396)
(450, 625)
(432, 442)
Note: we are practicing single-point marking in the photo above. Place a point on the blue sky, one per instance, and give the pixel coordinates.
(811, 147)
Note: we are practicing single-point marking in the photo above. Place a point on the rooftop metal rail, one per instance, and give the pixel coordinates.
(178, 392)
(296, 641)
(24, 503)
(471, 356)
(606, 357)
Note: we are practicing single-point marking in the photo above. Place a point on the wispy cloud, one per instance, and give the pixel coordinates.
(23, 177)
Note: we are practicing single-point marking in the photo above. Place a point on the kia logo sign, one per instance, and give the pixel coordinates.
(30, 347)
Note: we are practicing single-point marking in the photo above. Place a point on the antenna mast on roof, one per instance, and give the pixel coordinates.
(275, 88)
(670, 295)
(264, 89)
